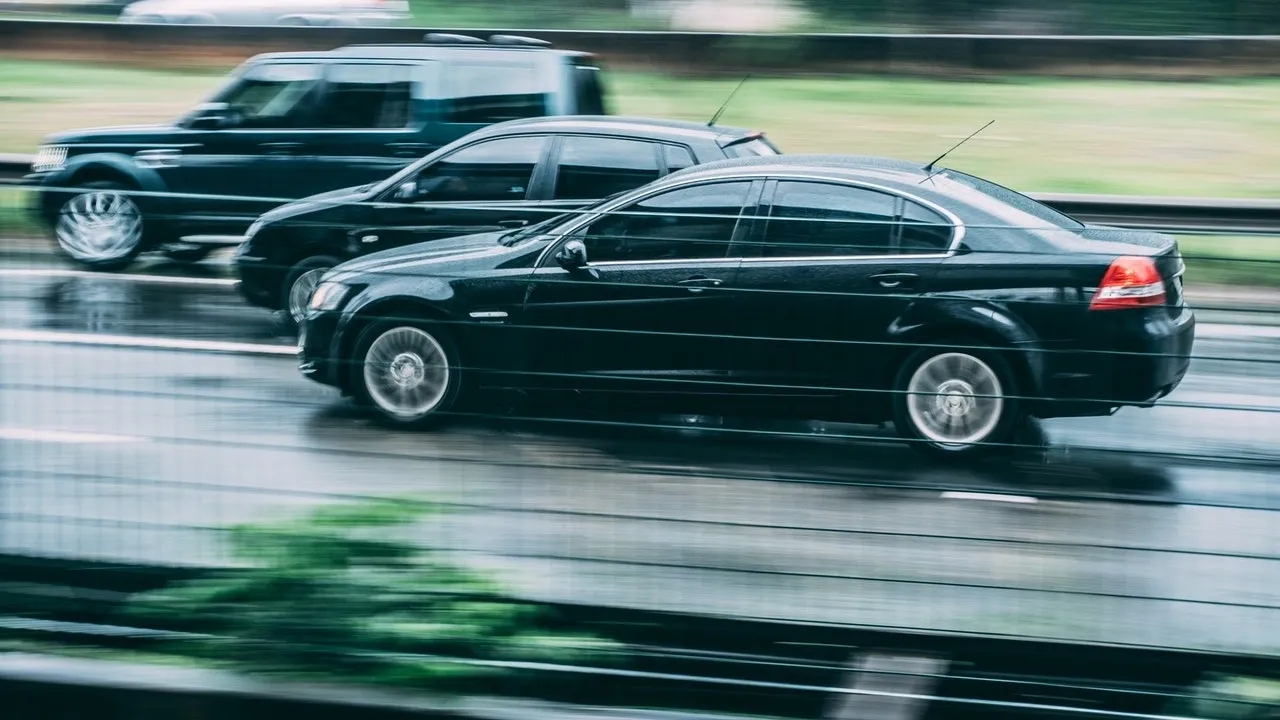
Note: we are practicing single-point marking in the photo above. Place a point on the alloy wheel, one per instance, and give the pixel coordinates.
(99, 226)
(955, 399)
(406, 372)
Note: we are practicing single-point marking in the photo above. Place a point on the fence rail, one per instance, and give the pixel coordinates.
(1159, 56)
(1164, 214)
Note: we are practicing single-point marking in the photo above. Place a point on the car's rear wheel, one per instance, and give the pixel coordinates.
(408, 374)
(100, 227)
(302, 280)
(956, 402)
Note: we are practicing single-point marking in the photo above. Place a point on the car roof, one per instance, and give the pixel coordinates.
(623, 126)
(853, 167)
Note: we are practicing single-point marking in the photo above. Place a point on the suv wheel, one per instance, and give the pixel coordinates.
(407, 373)
(302, 280)
(956, 402)
(100, 226)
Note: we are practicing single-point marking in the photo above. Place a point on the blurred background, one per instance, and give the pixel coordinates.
(178, 510)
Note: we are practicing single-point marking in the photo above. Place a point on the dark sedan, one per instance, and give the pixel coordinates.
(840, 288)
(505, 176)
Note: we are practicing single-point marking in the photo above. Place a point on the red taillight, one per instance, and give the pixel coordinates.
(1130, 282)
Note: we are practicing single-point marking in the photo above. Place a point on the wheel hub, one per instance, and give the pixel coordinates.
(955, 398)
(408, 370)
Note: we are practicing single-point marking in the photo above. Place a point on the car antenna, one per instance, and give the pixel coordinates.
(929, 168)
(720, 112)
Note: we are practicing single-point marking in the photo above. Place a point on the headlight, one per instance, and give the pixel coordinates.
(49, 158)
(328, 296)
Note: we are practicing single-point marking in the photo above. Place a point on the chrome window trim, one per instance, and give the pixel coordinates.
(957, 232)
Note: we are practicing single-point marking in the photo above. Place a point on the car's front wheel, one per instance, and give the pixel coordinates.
(956, 401)
(100, 227)
(408, 374)
(302, 280)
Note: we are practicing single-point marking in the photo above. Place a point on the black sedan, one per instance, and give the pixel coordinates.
(838, 288)
(503, 176)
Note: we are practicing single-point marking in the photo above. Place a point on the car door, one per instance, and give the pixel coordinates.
(368, 125)
(490, 185)
(643, 318)
(832, 267)
(237, 172)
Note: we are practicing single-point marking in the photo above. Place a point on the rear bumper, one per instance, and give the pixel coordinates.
(1134, 360)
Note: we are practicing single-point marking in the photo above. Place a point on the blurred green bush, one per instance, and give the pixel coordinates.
(344, 595)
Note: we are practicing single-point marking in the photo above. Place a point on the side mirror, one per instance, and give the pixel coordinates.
(407, 191)
(212, 116)
(573, 255)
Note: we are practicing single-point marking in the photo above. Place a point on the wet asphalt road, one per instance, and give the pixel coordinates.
(1150, 527)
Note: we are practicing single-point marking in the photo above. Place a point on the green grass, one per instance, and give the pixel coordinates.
(1140, 138)
(1143, 138)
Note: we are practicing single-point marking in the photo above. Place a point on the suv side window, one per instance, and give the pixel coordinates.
(493, 93)
(498, 169)
(274, 95)
(678, 158)
(689, 223)
(596, 167)
(815, 219)
(367, 96)
(588, 90)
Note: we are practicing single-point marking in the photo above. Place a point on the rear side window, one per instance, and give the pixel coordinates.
(922, 231)
(588, 90)
(595, 167)
(810, 219)
(678, 158)
(359, 96)
(493, 93)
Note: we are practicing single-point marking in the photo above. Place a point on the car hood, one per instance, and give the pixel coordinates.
(314, 203)
(124, 134)
(432, 252)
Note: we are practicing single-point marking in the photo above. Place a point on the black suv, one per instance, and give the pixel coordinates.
(508, 176)
(291, 125)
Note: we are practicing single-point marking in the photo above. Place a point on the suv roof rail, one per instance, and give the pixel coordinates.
(436, 38)
(518, 40)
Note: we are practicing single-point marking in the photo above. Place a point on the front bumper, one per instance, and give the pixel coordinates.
(319, 354)
(261, 281)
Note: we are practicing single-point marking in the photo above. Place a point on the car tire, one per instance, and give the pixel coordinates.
(301, 280)
(406, 373)
(100, 227)
(956, 402)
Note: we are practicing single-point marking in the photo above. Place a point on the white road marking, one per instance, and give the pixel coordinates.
(131, 341)
(993, 497)
(1217, 331)
(65, 437)
(155, 279)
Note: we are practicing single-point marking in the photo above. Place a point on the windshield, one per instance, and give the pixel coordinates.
(1018, 202)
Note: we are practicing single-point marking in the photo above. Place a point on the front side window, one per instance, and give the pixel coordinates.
(492, 170)
(360, 96)
(814, 219)
(684, 224)
(490, 94)
(273, 95)
(596, 167)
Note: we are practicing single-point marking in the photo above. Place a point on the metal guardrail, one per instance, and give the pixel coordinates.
(1164, 214)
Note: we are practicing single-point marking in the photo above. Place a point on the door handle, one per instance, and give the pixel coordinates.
(512, 224)
(893, 280)
(698, 284)
(281, 148)
(408, 149)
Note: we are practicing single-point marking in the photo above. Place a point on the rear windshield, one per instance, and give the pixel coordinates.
(588, 90)
(751, 148)
(1016, 200)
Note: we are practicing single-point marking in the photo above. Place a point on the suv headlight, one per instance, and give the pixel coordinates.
(49, 158)
(328, 296)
